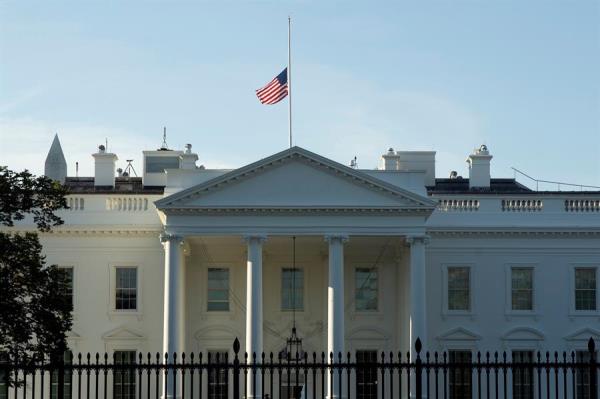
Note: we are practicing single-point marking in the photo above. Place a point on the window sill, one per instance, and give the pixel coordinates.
(584, 313)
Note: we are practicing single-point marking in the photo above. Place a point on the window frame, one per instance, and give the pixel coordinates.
(532, 375)
(135, 379)
(571, 291)
(281, 308)
(446, 311)
(378, 290)
(226, 372)
(468, 369)
(73, 285)
(208, 268)
(509, 311)
(113, 289)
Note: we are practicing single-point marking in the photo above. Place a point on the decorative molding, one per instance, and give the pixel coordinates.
(343, 238)
(458, 334)
(164, 237)
(417, 239)
(273, 210)
(123, 334)
(523, 334)
(307, 157)
(511, 233)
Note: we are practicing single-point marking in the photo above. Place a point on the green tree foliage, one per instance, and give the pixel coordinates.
(35, 313)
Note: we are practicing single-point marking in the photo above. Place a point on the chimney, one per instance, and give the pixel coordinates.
(479, 168)
(389, 161)
(104, 167)
(56, 165)
(188, 158)
(418, 160)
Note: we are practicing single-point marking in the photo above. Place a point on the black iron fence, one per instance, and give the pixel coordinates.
(364, 374)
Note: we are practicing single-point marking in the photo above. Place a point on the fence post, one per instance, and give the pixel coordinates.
(236, 369)
(593, 376)
(418, 371)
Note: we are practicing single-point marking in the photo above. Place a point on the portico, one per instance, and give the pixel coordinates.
(295, 193)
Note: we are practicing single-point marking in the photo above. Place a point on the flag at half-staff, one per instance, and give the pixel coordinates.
(276, 90)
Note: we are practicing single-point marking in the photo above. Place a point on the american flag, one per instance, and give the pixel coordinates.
(275, 91)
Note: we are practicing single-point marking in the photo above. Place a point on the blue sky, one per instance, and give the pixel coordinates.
(522, 77)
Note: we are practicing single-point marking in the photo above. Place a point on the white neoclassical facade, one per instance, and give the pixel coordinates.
(187, 258)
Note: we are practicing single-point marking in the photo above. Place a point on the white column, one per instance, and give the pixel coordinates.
(335, 307)
(418, 293)
(173, 305)
(254, 308)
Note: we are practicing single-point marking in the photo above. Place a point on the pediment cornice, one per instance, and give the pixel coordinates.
(178, 202)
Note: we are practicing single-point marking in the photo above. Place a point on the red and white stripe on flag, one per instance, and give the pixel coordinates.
(275, 91)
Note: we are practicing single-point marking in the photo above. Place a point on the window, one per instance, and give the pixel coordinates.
(126, 288)
(583, 376)
(217, 378)
(460, 375)
(366, 289)
(459, 297)
(159, 164)
(68, 289)
(3, 377)
(124, 379)
(292, 289)
(585, 288)
(67, 388)
(522, 377)
(218, 290)
(366, 374)
(522, 288)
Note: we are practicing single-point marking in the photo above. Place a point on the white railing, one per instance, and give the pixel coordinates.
(128, 204)
(76, 203)
(521, 205)
(582, 205)
(447, 205)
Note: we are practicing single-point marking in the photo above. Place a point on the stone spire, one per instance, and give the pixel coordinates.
(56, 165)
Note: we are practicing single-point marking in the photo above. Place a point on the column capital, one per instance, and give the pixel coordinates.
(250, 237)
(422, 239)
(343, 238)
(164, 237)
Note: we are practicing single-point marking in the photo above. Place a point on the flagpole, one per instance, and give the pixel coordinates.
(289, 78)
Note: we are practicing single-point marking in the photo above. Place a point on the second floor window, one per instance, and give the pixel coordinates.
(68, 276)
(292, 289)
(366, 289)
(522, 288)
(218, 290)
(585, 288)
(459, 296)
(126, 288)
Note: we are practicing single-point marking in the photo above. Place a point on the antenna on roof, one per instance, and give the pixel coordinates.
(129, 168)
(354, 163)
(164, 145)
(106, 141)
(76, 169)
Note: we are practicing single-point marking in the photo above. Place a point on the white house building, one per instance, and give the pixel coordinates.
(187, 258)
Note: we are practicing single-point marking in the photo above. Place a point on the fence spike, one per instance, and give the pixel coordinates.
(236, 346)
(591, 345)
(418, 345)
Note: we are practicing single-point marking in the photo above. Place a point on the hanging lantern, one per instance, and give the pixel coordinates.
(293, 349)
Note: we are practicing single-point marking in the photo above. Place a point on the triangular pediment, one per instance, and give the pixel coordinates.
(123, 333)
(459, 334)
(296, 179)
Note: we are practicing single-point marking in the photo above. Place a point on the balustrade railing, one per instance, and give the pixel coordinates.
(364, 374)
